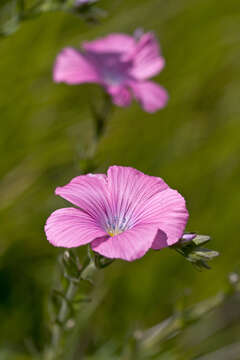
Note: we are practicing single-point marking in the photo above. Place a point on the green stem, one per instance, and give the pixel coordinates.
(58, 328)
(20, 6)
(63, 314)
(94, 262)
(101, 116)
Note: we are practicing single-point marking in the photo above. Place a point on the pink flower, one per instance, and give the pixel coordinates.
(120, 63)
(122, 214)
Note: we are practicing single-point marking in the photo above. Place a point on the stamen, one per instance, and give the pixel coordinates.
(116, 225)
(114, 232)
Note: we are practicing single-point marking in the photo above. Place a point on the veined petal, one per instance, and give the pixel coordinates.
(130, 245)
(90, 193)
(70, 227)
(121, 95)
(130, 189)
(72, 67)
(146, 58)
(112, 43)
(168, 210)
(151, 96)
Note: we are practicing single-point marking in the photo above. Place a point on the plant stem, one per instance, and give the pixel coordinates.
(63, 313)
(101, 116)
(58, 328)
(55, 351)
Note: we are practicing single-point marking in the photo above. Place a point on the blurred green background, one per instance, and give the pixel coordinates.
(194, 144)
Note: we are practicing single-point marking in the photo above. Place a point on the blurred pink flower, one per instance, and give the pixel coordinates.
(122, 64)
(122, 214)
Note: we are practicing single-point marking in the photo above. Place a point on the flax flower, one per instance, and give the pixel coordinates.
(121, 64)
(122, 214)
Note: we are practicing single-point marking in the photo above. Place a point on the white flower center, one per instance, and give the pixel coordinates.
(112, 77)
(116, 225)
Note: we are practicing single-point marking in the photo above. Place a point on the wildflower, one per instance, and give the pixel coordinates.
(122, 214)
(120, 63)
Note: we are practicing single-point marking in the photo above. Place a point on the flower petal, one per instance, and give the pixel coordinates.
(147, 61)
(72, 67)
(70, 227)
(90, 193)
(130, 245)
(112, 43)
(151, 96)
(130, 189)
(121, 96)
(168, 210)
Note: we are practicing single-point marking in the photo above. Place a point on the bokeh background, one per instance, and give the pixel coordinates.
(194, 144)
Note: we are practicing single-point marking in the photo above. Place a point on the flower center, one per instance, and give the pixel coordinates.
(116, 225)
(113, 70)
(114, 232)
(112, 77)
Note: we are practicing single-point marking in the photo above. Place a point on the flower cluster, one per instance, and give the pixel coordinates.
(125, 213)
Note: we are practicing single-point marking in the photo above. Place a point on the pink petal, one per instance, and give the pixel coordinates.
(90, 193)
(72, 67)
(121, 96)
(147, 61)
(71, 227)
(130, 245)
(168, 210)
(120, 43)
(151, 96)
(130, 189)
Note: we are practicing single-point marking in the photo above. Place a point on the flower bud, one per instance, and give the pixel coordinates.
(188, 237)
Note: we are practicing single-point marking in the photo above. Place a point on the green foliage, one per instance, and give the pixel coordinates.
(14, 12)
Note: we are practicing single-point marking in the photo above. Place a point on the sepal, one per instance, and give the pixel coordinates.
(190, 246)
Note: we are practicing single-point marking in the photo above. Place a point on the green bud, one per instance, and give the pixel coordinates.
(71, 265)
(201, 239)
(189, 247)
(206, 254)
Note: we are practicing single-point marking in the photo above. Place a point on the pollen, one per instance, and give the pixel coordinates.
(114, 232)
